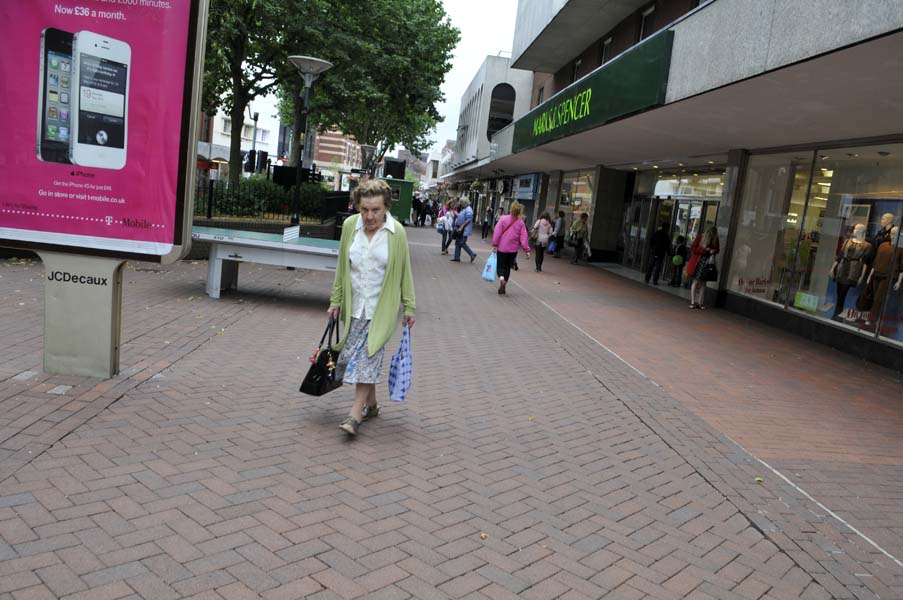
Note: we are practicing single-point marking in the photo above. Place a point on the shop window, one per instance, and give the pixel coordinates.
(819, 233)
(848, 263)
(576, 196)
(774, 197)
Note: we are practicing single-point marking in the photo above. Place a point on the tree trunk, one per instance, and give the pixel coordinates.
(238, 122)
(297, 130)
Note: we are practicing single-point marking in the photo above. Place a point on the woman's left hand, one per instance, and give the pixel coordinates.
(408, 321)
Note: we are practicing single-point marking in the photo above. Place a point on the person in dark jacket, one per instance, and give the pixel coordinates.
(660, 245)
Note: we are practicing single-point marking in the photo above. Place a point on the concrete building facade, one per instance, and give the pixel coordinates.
(774, 121)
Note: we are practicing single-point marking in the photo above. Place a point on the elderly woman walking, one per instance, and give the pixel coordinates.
(372, 280)
(510, 233)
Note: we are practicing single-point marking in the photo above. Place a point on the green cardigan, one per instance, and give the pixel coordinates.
(397, 288)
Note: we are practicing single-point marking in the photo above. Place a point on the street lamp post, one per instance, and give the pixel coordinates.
(369, 153)
(310, 68)
(254, 118)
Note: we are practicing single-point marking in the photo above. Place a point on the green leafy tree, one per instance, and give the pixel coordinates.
(390, 58)
(245, 57)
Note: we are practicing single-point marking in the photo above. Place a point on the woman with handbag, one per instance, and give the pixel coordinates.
(510, 233)
(373, 279)
(540, 235)
(701, 267)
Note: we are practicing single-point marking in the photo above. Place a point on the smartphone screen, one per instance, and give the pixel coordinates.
(101, 109)
(56, 93)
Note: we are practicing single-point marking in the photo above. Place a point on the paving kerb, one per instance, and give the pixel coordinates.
(432, 502)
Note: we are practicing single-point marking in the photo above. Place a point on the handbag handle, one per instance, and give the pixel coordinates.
(332, 325)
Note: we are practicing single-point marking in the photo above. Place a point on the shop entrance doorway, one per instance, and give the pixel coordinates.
(683, 216)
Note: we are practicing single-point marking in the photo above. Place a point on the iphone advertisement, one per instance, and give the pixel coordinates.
(97, 100)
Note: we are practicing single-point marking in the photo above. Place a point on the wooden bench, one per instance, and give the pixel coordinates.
(229, 248)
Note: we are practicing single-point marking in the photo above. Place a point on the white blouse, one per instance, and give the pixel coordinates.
(368, 267)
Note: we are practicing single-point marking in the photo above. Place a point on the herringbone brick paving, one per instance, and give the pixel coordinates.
(212, 478)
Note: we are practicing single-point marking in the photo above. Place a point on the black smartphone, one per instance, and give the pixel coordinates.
(54, 95)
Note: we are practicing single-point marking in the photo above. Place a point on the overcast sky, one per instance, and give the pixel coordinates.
(487, 28)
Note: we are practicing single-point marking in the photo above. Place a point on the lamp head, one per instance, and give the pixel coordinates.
(310, 68)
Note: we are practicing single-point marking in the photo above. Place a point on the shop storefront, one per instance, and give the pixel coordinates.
(686, 201)
(818, 234)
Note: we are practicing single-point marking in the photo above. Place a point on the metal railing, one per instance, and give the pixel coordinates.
(263, 200)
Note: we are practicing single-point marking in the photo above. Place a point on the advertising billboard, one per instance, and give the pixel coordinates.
(98, 101)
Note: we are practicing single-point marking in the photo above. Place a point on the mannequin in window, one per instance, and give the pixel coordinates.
(883, 271)
(885, 233)
(849, 270)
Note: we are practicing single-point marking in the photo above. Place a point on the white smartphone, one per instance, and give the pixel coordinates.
(99, 100)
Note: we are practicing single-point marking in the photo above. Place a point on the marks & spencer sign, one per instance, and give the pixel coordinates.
(632, 82)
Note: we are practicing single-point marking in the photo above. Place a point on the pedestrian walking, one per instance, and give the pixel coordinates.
(463, 229)
(577, 235)
(704, 247)
(442, 227)
(451, 214)
(487, 222)
(559, 233)
(509, 235)
(373, 280)
(659, 246)
(542, 233)
(416, 205)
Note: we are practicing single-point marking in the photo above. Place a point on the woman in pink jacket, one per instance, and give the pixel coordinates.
(510, 232)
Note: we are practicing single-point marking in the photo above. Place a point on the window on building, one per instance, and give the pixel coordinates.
(540, 95)
(247, 131)
(820, 234)
(577, 64)
(647, 25)
(606, 50)
(501, 108)
(227, 126)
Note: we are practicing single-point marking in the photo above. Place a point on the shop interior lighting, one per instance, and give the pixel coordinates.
(711, 162)
(852, 155)
(827, 172)
(824, 157)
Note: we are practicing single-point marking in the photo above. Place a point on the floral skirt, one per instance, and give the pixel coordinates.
(354, 366)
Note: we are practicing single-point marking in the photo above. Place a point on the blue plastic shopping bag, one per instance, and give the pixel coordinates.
(553, 245)
(401, 369)
(489, 269)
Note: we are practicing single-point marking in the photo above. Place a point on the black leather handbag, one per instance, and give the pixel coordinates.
(321, 378)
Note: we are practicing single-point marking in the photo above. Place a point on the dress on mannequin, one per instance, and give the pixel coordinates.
(885, 269)
(851, 265)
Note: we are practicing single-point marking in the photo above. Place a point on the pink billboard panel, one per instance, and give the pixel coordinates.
(94, 99)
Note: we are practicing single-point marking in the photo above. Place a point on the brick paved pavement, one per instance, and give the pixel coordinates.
(204, 474)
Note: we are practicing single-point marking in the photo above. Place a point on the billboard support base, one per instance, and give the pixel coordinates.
(82, 314)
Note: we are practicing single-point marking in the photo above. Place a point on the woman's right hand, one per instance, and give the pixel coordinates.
(333, 312)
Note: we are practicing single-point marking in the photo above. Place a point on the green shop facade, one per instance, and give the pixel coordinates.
(810, 231)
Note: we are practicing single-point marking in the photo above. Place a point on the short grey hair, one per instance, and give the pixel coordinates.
(464, 202)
